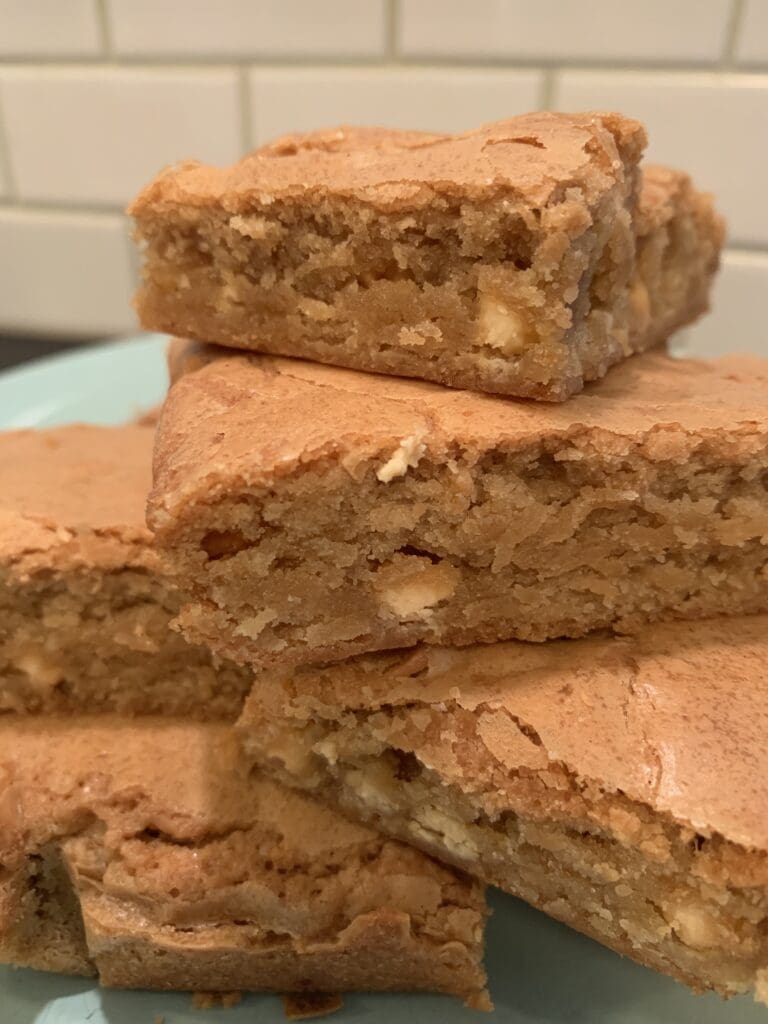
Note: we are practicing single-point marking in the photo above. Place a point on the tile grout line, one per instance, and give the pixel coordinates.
(133, 256)
(188, 62)
(391, 22)
(732, 28)
(548, 87)
(6, 167)
(741, 249)
(61, 207)
(246, 108)
(105, 35)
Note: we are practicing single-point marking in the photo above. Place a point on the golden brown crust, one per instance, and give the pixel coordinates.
(260, 419)
(642, 716)
(618, 784)
(85, 602)
(192, 872)
(535, 156)
(502, 259)
(400, 511)
(75, 496)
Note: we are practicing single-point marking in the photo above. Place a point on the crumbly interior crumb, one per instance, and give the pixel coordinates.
(46, 927)
(98, 640)
(499, 257)
(497, 294)
(683, 903)
(555, 541)
(145, 852)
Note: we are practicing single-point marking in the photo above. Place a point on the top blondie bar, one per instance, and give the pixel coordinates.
(522, 258)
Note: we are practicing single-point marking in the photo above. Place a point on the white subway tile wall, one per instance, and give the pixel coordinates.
(97, 95)
(64, 273)
(736, 322)
(49, 28)
(245, 29)
(295, 99)
(752, 43)
(95, 135)
(715, 126)
(566, 30)
(4, 184)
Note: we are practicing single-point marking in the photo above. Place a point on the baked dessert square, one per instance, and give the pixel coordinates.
(312, 513)
(85, 603)
(618, 784)
(513, 259)
(145, 852)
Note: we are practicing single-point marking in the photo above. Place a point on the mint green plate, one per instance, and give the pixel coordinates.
(539, 971)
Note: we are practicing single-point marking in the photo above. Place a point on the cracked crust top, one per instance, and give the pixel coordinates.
(165, 819)
(675, 718)
(533, 157)
(74, 493)
(257, 418)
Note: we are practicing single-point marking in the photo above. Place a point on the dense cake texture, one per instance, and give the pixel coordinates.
(513, 259)
(313, 513)
(85, 603)
(678, 241)
(619, 784)
(143, 851)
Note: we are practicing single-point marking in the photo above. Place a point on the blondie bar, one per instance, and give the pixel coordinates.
(143, 851)
(620, 785)
(313, 513)
(513, 259)
(85, 603)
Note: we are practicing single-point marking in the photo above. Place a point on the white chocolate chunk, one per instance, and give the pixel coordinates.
(419, 334)
(413, 593)
(503, 328)
(41, 670)
(294, 756)
(252, 227)
(696, 927)
(454, 834)
(405, 457)
(328, 750)
(314, 309)
(374, 785)
(255, 625)
(640, 303)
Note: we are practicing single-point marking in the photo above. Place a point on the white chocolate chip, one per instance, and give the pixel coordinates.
(295, 757)
(256, 624)
(230, 294)
(41, 670)
(453, 834)
(413, 592)
(695, 926)
(419, 334)
(314, 309)
(414, 600)
(502, 327)
(251, 227)
(374, 786)
(640, 303)
(328, 750)
(405, 457)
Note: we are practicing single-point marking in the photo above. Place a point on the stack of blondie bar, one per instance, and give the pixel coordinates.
(453, 576)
